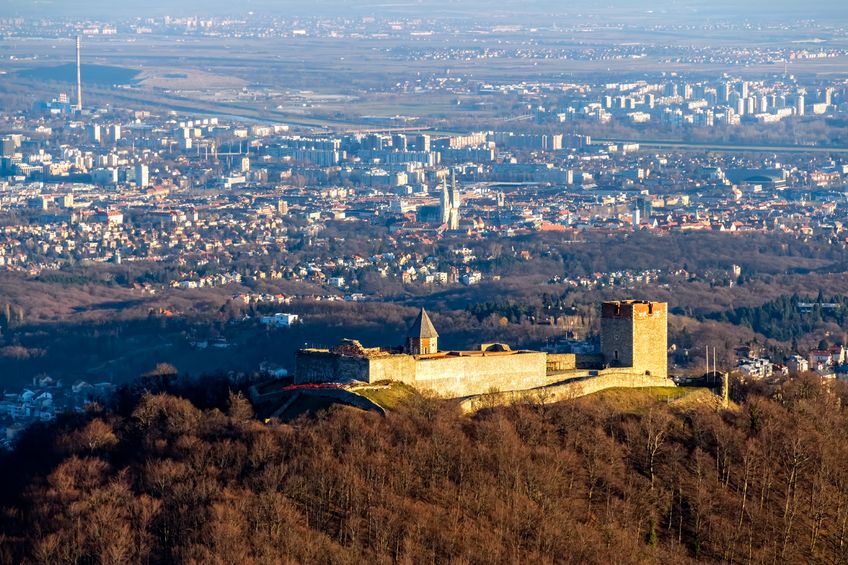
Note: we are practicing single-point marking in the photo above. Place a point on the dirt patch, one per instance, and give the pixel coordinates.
(187, 79)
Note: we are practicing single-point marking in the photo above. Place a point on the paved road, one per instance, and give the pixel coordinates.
(727, 146)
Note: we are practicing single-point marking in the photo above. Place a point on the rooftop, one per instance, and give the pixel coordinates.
(423, 327)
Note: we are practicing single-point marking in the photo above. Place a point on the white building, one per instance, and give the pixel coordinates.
(759, 368)
(797, 364)
(280, 320)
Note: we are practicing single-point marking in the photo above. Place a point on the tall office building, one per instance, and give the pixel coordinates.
(422, 142)
(94, 133)
(9, 145)
(828, 95)
(142, 175)
(724, 92)
(399, 142)
(799, 105)
(750, 106)
(650, 100)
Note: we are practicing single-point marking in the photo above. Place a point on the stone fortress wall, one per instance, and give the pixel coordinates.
(558, 362)
(448, 375)
(457, 376)
(392, 368)
(633, 353)
(568, 389)
(323, 366)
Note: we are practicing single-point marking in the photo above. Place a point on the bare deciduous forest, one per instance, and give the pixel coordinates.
(601, 479)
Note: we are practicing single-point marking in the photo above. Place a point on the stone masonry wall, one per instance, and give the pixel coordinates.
(574, 388)
(589, 361)
(392, 368)
(464, 376)
(561, 362)
(617, 336)
(313, 366)
(570, 361)
(650, 339)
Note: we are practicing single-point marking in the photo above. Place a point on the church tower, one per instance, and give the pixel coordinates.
(453, 219)
(455, 202)
(422, 339)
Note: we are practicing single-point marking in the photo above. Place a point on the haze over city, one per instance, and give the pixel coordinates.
(757, 10)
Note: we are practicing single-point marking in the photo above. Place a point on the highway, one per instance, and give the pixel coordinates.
(728, 147)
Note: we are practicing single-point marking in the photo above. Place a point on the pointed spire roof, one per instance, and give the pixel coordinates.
(423, 327)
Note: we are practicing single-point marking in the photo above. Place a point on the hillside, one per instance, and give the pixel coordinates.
(600, 479)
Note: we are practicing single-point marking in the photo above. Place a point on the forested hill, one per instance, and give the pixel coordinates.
(789, 317)
(604, 479)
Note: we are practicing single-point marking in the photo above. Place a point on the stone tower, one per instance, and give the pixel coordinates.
(444, 204)
(455, 203)
(634, 333)
(422, 339)
(455, 199)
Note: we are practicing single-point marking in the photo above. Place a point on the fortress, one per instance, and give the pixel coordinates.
(633, 353)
